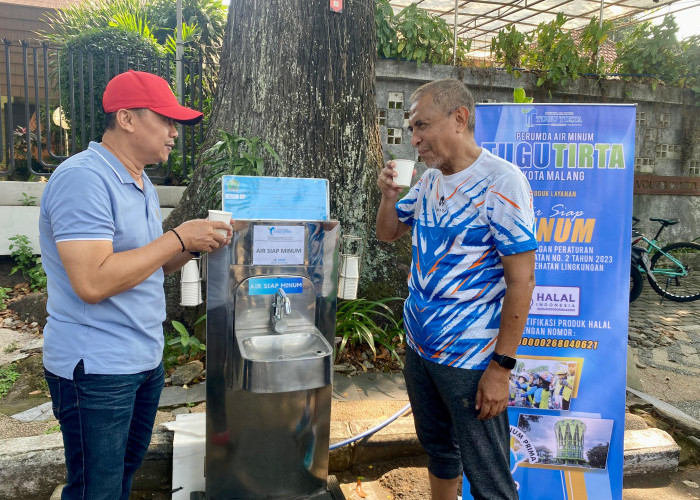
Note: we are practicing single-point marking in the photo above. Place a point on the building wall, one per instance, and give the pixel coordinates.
(20, 21)
(667, 137)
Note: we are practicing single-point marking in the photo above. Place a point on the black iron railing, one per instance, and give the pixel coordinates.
(51, 101)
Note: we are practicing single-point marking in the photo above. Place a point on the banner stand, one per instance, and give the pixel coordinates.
(567, 392)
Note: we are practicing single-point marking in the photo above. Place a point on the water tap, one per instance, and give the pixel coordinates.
(280, 306)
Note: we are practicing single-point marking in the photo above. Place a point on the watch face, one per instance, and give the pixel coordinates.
(504, 361)
(507, 362)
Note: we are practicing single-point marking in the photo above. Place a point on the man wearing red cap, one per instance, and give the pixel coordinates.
(105, 256)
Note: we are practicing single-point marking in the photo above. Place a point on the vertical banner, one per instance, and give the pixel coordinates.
(567, 392)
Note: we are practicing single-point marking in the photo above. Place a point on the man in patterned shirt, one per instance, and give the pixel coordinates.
(470, 285)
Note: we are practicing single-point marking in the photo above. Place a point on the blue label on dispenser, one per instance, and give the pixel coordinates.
(275, 198)
(268, 286)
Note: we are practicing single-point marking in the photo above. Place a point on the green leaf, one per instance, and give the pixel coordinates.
(180, 328)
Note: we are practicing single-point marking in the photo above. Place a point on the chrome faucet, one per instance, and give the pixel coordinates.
(280, 305)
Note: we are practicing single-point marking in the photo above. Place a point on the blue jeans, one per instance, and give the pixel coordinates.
(106, 421)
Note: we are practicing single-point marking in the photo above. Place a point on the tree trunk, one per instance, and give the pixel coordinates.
(301, 77)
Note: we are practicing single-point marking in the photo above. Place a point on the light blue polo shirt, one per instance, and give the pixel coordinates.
(91, 196)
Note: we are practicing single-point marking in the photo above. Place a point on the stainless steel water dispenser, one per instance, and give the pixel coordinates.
(271, 304)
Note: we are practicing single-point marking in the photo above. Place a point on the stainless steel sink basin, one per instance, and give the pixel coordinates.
(288, 346)
(285, 362)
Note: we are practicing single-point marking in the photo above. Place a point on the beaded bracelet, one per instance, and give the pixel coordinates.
(178, 237)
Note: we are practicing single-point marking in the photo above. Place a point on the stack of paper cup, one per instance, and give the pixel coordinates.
(351, 267)
(349, 277)
(222, 216)
(190, 284)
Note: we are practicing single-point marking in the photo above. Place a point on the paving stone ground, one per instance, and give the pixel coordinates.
(664, 337)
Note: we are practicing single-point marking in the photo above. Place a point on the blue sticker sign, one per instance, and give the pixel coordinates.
(567, 393)
(269, 286)
(275, 198)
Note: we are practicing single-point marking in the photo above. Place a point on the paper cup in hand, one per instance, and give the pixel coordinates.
(221, 216)
(405, 170)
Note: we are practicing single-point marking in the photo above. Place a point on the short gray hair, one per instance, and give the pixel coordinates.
(448, 95)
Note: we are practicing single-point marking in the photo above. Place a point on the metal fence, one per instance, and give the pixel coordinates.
(51, 101)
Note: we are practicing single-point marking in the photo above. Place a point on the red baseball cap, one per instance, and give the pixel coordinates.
(138, 89)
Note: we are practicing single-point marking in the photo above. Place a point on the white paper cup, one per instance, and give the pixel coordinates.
(351, 266)
(405, 170)
(190, 272)
(222, 216)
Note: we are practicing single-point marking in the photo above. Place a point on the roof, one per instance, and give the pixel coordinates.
(481, 20)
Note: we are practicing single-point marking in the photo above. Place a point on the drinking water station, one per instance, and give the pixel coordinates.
(271, 304)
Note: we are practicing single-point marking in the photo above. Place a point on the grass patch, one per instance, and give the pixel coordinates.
(12, 347)
(8, 376)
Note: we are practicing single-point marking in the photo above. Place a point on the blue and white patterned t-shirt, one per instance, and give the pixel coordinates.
(462, 224)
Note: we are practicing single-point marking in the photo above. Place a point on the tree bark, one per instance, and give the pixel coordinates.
(301, 77)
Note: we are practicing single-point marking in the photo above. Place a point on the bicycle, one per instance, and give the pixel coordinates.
(672, 270)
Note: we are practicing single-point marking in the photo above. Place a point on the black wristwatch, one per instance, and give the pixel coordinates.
(505, 361)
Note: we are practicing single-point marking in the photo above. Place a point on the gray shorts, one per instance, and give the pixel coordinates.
(443, 399)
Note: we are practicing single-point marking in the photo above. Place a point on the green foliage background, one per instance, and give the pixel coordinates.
(416, 35)
(133, 31)
(557, 57)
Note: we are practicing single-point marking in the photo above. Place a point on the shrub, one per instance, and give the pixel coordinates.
(415, 35)
(553, 54)
(235, 154)
(8, 375)
(181, 346)
(650, 50)
(112, 46)
(508, 48)
(26, 262)
(370, 322)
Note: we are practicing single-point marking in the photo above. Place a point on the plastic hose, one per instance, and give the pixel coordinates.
(371, 431)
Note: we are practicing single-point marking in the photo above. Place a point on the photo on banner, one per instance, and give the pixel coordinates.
(569, 381)
(545, 383)
(565, 442)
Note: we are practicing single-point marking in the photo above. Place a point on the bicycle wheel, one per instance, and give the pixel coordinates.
(636, 283)
(676, 269)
